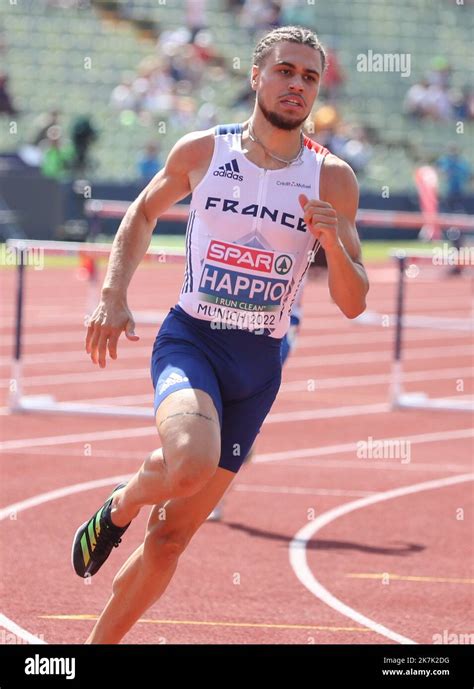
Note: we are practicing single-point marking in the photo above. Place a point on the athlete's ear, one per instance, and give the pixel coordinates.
(254, 75)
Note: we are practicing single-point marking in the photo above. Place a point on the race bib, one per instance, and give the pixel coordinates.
(243, 285)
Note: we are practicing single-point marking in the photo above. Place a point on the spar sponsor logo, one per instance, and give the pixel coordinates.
(240, 256)
(283, 264)
(247, 257)
(241, 290)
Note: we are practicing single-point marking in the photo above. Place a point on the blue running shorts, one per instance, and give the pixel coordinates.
(240, 370)
(288, 342)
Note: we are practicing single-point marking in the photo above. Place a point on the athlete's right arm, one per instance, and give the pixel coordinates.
(171, 184)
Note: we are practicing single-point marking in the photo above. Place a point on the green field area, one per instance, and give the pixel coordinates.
(373, 252)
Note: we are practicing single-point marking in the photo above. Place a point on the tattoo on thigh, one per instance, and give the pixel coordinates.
(185, 413)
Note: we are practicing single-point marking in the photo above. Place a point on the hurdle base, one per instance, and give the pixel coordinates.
(47, 404)
(418, 400)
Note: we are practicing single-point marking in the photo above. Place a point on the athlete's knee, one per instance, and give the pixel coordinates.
(164, 543)
(191, 475)
(191, 464)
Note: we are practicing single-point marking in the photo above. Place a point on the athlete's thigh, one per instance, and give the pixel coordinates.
(179, 518)
(189, 418)
(187, 405)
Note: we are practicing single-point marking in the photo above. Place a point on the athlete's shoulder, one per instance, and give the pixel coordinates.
(338, 183)
(198, 142)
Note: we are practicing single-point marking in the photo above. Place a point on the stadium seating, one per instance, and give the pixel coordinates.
(46, 49)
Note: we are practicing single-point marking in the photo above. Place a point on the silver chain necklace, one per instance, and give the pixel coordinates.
(280, 160)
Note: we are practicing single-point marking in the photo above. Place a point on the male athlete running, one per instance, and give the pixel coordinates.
(263, 198)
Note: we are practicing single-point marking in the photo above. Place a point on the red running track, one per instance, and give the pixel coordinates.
(379, 571)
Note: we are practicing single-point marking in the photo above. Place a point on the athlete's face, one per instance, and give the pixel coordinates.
(287, 84)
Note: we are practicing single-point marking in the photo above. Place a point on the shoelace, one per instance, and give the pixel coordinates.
(106, 541)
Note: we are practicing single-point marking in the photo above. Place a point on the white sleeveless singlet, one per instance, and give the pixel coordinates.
(247, 246)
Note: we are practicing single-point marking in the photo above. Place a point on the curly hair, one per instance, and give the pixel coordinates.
(293, 34)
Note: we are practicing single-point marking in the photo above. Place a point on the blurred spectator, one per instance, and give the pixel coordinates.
(57, 158)
(122, 97)
(195, 16)
(274, 14)
(432, 97)
(166, 83)
(83, 135)
(6, 105)
(457, 174)
(463, 104)
(43, 122)
(438, 103)
(349, 141)
(440, 73)
(68, 4)
(207, 116)
(257, 15)
(425, 100)
(334, 76)
(149, 163)
(416, 100)
(235, 6)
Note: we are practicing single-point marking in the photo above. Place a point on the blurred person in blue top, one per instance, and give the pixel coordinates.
(457, 174)
(149, 163)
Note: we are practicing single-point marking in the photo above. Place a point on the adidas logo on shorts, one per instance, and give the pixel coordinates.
(230, 170)
(172, 379)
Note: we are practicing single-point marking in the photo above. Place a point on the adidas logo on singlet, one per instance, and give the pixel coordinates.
(230, 170)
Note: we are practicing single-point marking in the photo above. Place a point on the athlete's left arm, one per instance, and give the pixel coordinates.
(332, 220)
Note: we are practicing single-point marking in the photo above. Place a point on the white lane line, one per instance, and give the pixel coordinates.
(18, 631)
(338, 338)
(138, 432)
(299, 563)
(310, 453)
(382, 335)
(456, 434)
(76, 311)
(377, 379)
(58, 493)
(328, 413)
(96, 375)
(376, 465)
(142, 431)
(369, 357)
(54, 314)
(278, 417)
(34, 501)
(318, 384)
(298, 490)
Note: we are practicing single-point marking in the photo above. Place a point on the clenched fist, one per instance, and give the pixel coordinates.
(321, 219)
